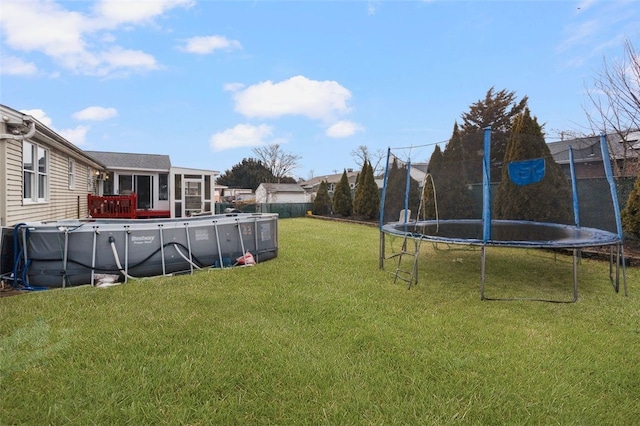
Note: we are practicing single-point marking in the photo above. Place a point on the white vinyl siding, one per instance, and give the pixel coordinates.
(61, 202)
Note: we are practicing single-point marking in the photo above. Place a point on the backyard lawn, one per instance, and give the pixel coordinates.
(321, 335)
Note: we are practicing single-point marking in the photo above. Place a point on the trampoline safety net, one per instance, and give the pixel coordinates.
(499, 188)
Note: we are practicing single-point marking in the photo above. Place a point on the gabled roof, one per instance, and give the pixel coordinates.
(281, 187)
(20, 122)
(588, 148)
(120, 160)
(351, 176)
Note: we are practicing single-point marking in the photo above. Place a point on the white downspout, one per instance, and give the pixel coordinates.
(29, 134)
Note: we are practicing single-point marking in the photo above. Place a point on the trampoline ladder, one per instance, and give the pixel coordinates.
(410, 276)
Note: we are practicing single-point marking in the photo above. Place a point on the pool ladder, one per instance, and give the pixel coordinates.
(410, 248)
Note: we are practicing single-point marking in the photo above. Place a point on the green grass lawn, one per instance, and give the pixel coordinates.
(321, 335)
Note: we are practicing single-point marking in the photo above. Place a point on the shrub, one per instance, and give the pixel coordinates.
(342, 202)
(631, 212)
(322, 202)
(548, 200)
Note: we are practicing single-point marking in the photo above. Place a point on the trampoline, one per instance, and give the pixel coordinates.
(485, 231)
(505, 233)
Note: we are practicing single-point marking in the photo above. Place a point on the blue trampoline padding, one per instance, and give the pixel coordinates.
(505, 233)
(526, 172)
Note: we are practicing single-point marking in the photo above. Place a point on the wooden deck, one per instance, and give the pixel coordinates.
(121, 207)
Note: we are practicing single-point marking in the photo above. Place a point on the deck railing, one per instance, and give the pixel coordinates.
(120, 207)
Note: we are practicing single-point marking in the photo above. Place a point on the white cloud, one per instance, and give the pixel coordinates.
(584, 5)
(232, 87)
(343, 129)
(11, 65)
(323, 100)
(76, 136)
(116, 12)
(42, 26)
(95, 113)
(372, 7)
(208, 44)
(578, 34)
(118, 57)
(242, 135)
(39, 115)
(79, 42)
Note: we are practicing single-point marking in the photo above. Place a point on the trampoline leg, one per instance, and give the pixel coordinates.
(482, 269)
(575, 275)
(624, 269)
(615, 282)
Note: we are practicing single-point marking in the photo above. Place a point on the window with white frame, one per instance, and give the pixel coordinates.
(72, 172)
(35, 173)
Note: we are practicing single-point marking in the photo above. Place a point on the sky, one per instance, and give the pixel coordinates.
(206, 82)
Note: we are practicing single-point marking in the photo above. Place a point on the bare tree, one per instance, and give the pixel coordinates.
(615, 97)
(275, 159)
(362, 154)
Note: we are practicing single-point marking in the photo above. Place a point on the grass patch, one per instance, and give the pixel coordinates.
(321, 335)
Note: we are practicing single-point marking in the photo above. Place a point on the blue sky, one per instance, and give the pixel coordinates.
(207, 81)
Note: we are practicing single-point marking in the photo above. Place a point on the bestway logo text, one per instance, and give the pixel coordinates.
(142, 240)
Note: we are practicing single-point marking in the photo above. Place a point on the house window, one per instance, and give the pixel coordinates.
(72, 171)
(178, 187)
(163, 183)
(125, 183)
(35, 178)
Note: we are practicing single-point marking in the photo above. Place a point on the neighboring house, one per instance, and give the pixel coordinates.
(42, 175)
(587, 155)
(280, 193)
(417, 172)
(237, 194)
(167, 191)
(311, 186)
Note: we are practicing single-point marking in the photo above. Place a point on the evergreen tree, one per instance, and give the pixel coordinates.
(548, 200)
(249, 173)
(395, 193)
(322, 202)
(450, 179)
(429, 201)
(631, 211)
(359, 192)
(342, 201)
(497, 110)
(369, 203)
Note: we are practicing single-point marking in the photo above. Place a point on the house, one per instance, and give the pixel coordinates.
(311, 186)
(418, 172)
(280, 193)
(145, 174)
(587, 155)
(237, 194)
(161, 189)
(45, 177)
(42, 175)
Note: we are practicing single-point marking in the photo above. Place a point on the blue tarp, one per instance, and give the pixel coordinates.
(526, 172)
